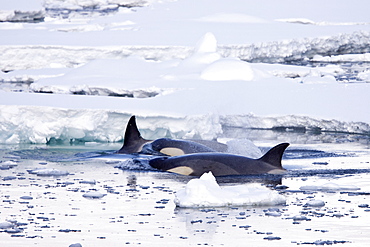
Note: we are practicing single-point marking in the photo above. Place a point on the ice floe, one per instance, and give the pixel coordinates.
(315, 203)
(48, 172)
(329, 187)
(94, 195)
(205, 192)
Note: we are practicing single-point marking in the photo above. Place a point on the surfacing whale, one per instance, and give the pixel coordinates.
(172, 147)
(135, 143)
(132, 142)
(221, 164)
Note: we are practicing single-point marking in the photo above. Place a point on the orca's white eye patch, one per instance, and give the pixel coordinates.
(183, 170)
(172, 151)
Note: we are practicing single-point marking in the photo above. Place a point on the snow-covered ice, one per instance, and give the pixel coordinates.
(213, 67)
(166, 86)
(205, 192)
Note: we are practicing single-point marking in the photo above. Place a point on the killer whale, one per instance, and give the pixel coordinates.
(173, 147)
(132, 142)
(135, 143)
(222, 164)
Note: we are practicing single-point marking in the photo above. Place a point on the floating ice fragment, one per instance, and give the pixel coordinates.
(6, 225)
(26, 197)
(281, 187)
(14, 230)
(272, 238)
(7, 178)
(88, 181)
(7, 165)
(275, 214)
(299, 218)
(205, 192)
(329, 187)
(75, 245)
(315, 203)
(48, 172)
(93, 195)
(112, 162)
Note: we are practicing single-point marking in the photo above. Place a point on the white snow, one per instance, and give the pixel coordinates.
(21, 10)
(24, 5)
(365, 57)
(228, 69)
(149, 57)
(205, 192)
(364, 76)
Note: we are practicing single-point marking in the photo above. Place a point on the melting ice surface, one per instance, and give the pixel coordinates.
(205, 192)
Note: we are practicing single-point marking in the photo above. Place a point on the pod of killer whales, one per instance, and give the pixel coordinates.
(195, 157)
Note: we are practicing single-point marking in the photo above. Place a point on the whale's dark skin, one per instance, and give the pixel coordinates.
(221, 164)
(134, 143)
(173, 147)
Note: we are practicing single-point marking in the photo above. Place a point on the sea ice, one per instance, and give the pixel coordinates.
(75, 245)
(205, 192)
(315, 203)
(6, 225)
(94, 195)
(48, 172)
(190, 92)
(329, 187)
(365, 75)
(7, 165)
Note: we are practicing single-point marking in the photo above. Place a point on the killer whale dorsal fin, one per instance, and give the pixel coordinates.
(274, 155)
(132, 133)
(133, 141)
